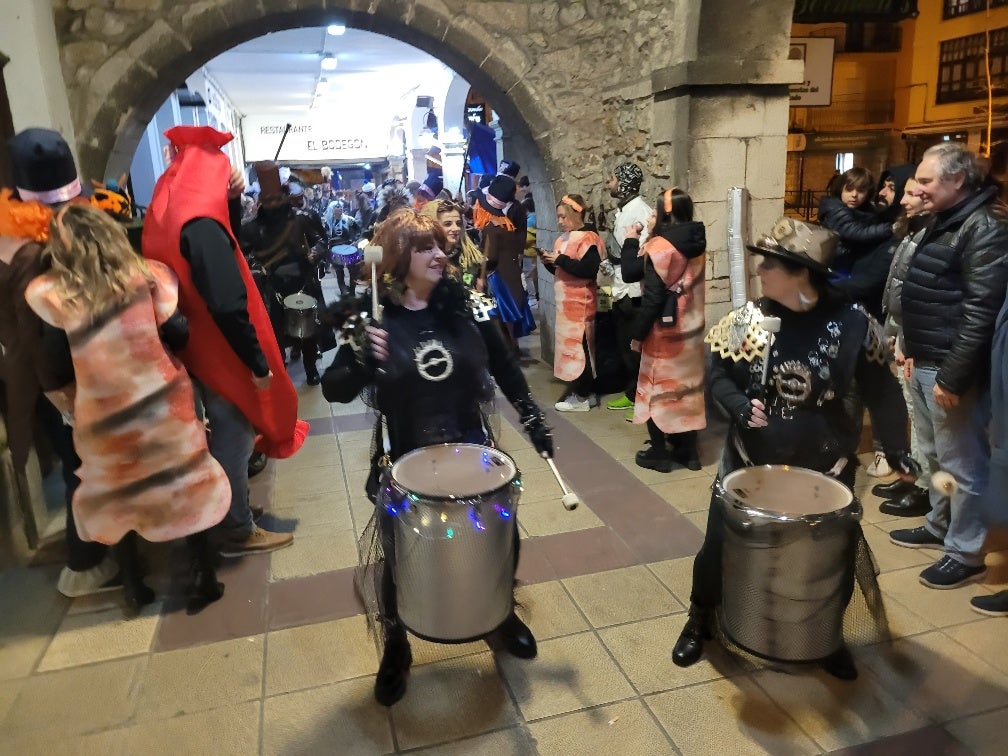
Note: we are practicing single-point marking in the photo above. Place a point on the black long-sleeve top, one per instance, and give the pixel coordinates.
(437, 374)
(587, 267)
(218, 280)
(812, 361)
(690, 239)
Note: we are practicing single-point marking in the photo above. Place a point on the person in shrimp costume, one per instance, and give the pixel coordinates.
(669, 331)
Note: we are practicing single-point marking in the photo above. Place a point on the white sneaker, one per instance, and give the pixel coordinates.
(572, 404)
(879, 468)
(99, 579)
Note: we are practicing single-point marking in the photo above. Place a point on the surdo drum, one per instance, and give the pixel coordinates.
(345, 254)
(453, 513)
(300, 311)
(788, 560)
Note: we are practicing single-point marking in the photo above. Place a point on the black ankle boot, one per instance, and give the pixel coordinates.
(654, 458)
(840, 664)
(137, 593)
(689, 648)
(517, 638)
(684, 450)
(390, 682)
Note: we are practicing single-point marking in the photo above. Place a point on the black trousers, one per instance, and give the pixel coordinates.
(81, 555)
(625, 311)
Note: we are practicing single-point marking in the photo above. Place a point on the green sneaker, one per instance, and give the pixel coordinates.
(629, 416)
(622, 403)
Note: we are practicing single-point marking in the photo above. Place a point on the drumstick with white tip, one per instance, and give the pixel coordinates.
(944, 483)
(569, 499)
(772, 326)
(373, 255)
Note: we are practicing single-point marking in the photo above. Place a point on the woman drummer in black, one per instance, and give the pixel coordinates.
(783, 391)
(427, 368)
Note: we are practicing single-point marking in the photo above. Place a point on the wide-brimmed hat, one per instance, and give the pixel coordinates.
(805, 244)
(270, 185)
(43, 167)
(432, 185)
(493, 203)
(509, 168)
(498, 196)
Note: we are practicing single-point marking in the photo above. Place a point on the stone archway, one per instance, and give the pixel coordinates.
(681, 87)
(123, 93)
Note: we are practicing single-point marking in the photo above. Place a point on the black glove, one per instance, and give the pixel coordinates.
(534, 423)
(902, 462)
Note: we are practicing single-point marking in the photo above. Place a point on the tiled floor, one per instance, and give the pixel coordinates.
(283, 664)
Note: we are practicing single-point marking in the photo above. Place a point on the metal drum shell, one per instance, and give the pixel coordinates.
(454, 555)
(300, 313)
(786, 577)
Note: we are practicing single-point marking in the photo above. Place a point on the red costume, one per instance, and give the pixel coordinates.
(194, 187)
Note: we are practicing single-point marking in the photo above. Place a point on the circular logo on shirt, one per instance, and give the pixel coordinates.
(433, 361)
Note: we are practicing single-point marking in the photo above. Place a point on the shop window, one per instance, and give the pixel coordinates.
(956, 8)
(961, 73)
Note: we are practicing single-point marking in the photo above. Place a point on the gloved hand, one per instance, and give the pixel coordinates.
(534, 423)
(902, 463)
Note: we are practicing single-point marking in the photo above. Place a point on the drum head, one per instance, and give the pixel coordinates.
(345, 250)
(300, 301)
(454, 471)
(786, 490)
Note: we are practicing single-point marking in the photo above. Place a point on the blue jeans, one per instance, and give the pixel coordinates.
(956, 441)
(231, 442)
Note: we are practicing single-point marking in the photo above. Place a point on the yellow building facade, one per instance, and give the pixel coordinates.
(897, 89)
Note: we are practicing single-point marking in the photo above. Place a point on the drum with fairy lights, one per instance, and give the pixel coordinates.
(453, 507)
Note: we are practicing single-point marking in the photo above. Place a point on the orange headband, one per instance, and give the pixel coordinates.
(668, 199)
(572, 204)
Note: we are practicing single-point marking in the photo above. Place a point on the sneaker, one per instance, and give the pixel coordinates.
(101, 578)
(572, 404)
(622, 403)
(950, 573)
(258, 542)
(995, 605)
(879, 468)
(916, 538)
(593, 400)
(629, 416)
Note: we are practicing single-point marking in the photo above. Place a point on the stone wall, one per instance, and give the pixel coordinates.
(686, 88)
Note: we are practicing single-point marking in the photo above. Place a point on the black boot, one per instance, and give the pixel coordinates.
(655, 458)
(390, 682)
(689, 648)
(517, 638)
(684, 449)
(840, 664)
(138, 594)
(204, 588)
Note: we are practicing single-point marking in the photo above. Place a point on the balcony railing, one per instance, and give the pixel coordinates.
(847, 114)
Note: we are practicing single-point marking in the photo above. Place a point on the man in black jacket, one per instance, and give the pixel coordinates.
(953, 290)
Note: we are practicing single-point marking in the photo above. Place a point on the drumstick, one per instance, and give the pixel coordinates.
(373, 256)
(944, 483)
(569, 499)
(772, 326)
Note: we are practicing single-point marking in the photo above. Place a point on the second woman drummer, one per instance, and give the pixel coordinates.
(784, 394)
(427, 370)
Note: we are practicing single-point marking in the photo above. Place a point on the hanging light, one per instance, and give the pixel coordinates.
(335, 30)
